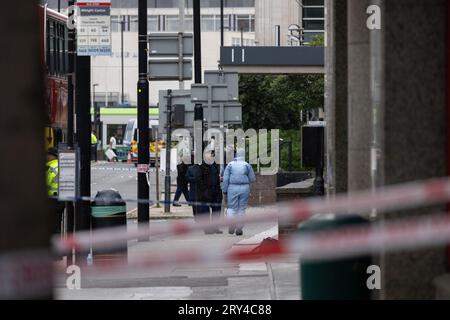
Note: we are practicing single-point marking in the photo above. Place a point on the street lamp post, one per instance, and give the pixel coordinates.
(122, 28)
(96, 109)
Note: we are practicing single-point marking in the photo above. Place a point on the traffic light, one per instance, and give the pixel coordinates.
(178, 115)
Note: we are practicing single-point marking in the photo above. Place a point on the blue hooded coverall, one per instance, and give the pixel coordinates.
(237, 178)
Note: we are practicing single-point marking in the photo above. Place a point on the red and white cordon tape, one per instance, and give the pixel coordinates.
(26, 275)
(405, 196)
(312, 246)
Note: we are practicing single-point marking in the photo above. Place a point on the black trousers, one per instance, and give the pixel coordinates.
(94, 152)
(58, 211)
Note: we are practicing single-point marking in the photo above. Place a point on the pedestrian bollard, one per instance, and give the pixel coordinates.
(338, 279)
(109, 210)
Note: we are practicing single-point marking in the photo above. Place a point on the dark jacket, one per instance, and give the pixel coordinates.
(194, 177)
(210, 184)
(182, 169)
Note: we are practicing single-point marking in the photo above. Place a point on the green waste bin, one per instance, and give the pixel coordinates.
(340, 279)
(108, 210)
(122, 153)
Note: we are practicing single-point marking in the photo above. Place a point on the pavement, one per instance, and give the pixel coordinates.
(219, 281)
(215, 281)
(123, 178)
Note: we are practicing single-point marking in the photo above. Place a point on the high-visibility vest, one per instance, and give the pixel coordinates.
(93, 139)
(52, 178)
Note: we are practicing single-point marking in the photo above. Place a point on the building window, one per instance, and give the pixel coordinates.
(115, 26)
(172, 23)
(208, 23)
(308, 36)
(188, 23)
(245, 23)
(313, 2)
(152, 23)
(314, 24)
(134, 24)
(313, 12)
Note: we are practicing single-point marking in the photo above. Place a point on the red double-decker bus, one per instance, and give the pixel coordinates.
(53, 37)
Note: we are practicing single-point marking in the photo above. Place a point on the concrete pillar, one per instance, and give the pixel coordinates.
(414, 119)
(415, 125)
(359, 98)
(25, 217)
(336, 102)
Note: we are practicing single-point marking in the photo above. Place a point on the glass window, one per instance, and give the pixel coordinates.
(243, 23)
(226, 22)
(115, 26)
(188, 23)
(314, 24)
(152, 23)
(208, 23)
(172, 23)
(313, 2)
(116, 129)
(308, 36)
(134, 24)
(313, 13)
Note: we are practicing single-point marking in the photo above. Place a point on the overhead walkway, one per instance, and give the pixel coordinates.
(273, 60)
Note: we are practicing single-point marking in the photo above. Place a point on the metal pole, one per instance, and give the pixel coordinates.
(122, 23)
(143, 120)
(70, 70)
(180, 51)
(277, 35)
(221, 24)
(83, 137)
(290, 156)
(242, 37)
(59, 5)
(197, 42)
(319, 183)
(70, 108)
(168, 152)
(157, 175)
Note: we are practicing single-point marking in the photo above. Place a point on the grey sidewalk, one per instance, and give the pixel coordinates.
(227, 281)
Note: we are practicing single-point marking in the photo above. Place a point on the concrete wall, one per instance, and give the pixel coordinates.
(336, 98)
(263, 190)
(270, 13)
(413, 109)
(415, 124)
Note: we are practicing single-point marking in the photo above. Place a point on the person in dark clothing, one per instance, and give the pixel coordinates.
(182, 184)
(194, 177)
(212, 193)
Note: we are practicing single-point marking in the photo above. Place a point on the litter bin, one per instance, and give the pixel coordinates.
(340, 279)
(108, 210)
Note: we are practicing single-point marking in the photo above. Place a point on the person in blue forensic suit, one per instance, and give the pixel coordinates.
(237, 179)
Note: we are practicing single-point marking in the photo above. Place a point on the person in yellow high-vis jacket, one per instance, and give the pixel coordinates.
(52, 186)
(93, 146)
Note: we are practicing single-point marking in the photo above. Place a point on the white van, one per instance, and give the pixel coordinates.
(131, 131)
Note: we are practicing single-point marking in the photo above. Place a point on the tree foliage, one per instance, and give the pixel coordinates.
(275, 102)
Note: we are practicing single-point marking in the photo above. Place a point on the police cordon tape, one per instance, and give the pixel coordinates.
(26, 275)
(344, 242)
(404, 196)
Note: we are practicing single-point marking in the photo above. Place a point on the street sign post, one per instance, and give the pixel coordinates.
(168, 69)
(67, 175)
(231, 79)
(168, 44)
(176, 48)
(94, 28)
